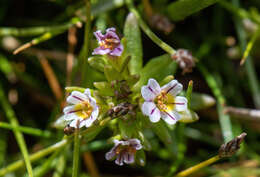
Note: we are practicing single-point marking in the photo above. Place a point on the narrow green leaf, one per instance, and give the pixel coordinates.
(111, 74)
(18, 135)
(162, 132)
(180, 9)
(132, 34)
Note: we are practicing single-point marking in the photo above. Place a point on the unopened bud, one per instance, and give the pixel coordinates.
(230, 148)
(184, 59)
(162, 23)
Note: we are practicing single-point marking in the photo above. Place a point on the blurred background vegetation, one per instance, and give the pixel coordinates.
(52, 34)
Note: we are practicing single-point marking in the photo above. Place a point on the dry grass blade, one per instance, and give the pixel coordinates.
(51, 77)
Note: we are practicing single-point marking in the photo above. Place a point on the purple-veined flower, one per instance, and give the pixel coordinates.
(108, 44)
(124, 151)
(83, 109)
(163, 102)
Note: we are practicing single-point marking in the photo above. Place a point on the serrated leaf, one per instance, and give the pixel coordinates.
(133, 44)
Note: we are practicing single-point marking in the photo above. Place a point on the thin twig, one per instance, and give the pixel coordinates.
(92, 168)
(243, 113)
(51, 77)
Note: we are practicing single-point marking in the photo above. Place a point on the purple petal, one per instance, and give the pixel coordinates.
(173, 88)
(111, 33)
(128, 158)
(119, 160)
(101, 51)
(135, 143)
(117, 51)
(99, 35)
(111, 154)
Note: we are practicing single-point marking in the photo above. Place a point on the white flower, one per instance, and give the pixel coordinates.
(124, 151)
(163, 102)
(83, 109)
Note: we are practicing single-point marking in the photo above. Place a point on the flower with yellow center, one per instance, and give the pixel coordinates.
(83, 111)
(163, 102)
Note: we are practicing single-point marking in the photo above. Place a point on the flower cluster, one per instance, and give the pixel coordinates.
(159, 102)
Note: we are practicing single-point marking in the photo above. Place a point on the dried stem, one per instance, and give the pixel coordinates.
(92, 168)
(51, 77)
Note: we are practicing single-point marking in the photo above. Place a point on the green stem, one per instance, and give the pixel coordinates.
(84, 59)
(225, 123)
(27, 130)
(197, 167)
(34, 31)
(36, 156)
(60, 166)
(147, 30)
(76, 153)
(18, 135)
(251, 73)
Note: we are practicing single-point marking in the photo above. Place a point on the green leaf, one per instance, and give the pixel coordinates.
(111, 74)
(140, 157)
(162, 132)
(104, 88)
(133, 44)
(183, 8)
(127, 128)
(97, 62)
(157, 68)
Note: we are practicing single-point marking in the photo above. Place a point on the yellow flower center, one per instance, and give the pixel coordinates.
(109, 43)
(165, 102)
(84, 109)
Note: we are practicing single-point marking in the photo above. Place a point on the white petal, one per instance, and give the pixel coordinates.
(82, 123)
(68, 109)
(151, 90)
(74, 123)
(173, 88)
(71, 116)
(94, 113)
(181, 103)
(150, 109)
(88, 122)
(170, 117)
(87, 92)
(76, 97)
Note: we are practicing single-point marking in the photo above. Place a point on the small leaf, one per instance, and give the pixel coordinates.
(133, 44)
(97, 62)
(104, 88)
(111, 74)
(127, 128)
(157, 68)
(162, 132)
